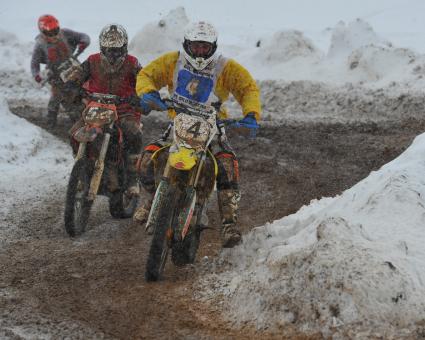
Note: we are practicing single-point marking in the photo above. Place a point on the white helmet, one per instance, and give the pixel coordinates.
(113, 42)
(200, 44)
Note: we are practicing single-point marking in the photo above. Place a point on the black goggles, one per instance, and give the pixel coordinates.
(52, 33)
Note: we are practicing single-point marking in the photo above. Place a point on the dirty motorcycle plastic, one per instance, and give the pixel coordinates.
(100, 168)
(188, 178)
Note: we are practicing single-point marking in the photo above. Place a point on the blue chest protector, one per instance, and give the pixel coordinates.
(196, 88)
(193, 86)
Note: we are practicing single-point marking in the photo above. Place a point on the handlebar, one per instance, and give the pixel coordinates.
(104, 97)
(111, 98)
(221, 123)
(169, 102)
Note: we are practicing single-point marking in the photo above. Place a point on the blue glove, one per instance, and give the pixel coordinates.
(249, 122)
(152, 101)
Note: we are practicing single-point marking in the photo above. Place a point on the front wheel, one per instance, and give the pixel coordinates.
(77, 206)
(184, 252)
(158, 251)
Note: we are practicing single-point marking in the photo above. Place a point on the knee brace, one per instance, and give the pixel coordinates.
(228, 171)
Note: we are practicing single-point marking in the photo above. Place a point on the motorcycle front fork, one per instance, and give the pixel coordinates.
(81, 151)
(99, 165)
(186, 216)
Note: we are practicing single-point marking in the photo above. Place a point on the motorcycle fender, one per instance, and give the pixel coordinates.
(186, 214)
(215, 163)
(183, 159)
(157, 152)
(159, 194)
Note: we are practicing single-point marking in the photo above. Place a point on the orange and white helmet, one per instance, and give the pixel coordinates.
(200, 44)
(48, 25)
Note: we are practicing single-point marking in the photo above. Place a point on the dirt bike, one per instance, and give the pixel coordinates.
(67, 68)
(100, 168)
(61, 75)
(188, 179)
(64, 71)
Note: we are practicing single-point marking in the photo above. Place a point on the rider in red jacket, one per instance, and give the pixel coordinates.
(114, 71)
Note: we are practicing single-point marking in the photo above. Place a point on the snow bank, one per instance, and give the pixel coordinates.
(159, 37)
(368, 59)
(342, 264)
(356, 55)
(16, 82)
(32, 163)
(375, 63)
(348, 37)
(20, 140)
(284, 46)
(13, 54)
(308, 101)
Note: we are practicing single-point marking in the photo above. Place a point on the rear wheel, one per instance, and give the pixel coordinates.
(158, 251)
(121, 205)
(77, 207)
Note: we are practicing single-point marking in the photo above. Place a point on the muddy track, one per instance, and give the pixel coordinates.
(93, 287)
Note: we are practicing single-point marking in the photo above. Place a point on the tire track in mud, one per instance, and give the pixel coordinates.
(94, 287)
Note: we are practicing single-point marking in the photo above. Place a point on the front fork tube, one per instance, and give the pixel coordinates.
(185, 219)
(186, 216)
(99, 166)
(159, 195)
(81, 151)
(198, 171)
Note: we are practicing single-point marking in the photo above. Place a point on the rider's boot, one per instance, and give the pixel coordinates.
(142, 212)
(133, 188)
(228, 205)
(147, 179)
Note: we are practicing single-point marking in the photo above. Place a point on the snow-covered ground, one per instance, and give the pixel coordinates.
(353, 260)
(32, 164)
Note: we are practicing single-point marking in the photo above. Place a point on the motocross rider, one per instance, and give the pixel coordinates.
(54, 46)
(199, 76)
(114, 71)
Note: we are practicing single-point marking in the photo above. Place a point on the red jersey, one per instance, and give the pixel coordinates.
(98, 78)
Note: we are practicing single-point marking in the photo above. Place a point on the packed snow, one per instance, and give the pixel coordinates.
(16, 82)
(350, 262)
(32, 164)
(356, 260)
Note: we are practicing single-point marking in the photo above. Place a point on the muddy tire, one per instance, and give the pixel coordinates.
(158, 251)
(122, 206)
(184, 252)
(77, 207)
